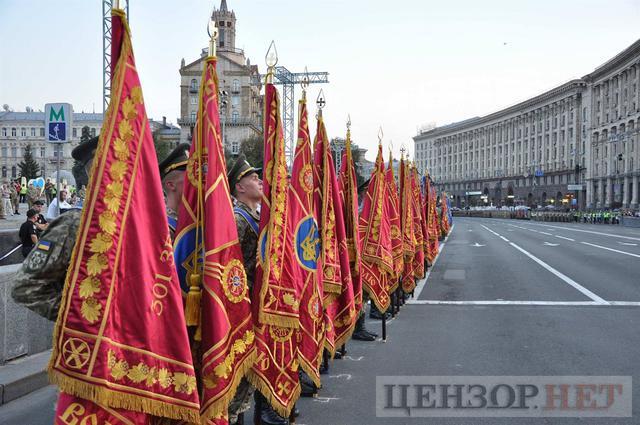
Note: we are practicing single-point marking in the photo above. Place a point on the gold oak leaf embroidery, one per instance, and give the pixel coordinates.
(121, 148)
(101, 243)
(118, 169)
(89, 286)
(90, 309)
(96, 264)
(107, 222)
(126, 132)
(129, 109)
(209, 381)
(138, 373)
(120, 369)
(136, 94)
(164, 378)
(184, 383)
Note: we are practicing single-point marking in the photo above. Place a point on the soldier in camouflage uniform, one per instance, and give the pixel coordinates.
(40, 281)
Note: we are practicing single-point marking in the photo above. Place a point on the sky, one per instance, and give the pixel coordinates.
(398, 64)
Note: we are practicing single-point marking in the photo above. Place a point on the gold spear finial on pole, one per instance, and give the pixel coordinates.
(271, 58)
(305, 84)
(380, 135)
(212, 30)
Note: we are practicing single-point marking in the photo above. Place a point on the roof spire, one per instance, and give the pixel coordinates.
(223, 6)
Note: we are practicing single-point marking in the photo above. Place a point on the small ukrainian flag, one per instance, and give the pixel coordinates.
(44, 245)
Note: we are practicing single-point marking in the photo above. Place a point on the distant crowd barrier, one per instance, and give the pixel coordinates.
(519, 214)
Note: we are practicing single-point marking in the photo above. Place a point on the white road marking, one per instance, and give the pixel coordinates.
(530, 303)
(504, 239)
(342, 375)
(324, 399)
(562, 237)
(628, 244)
(421, 284)
(551, 244)
(477, 245)
(545, 233)
(590, 231)
(611, 249)
(555, 272)
(355, 359)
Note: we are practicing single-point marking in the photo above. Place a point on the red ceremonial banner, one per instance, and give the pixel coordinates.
(416, 199)
(433, 224)
(444, 213)
(338, 298)
(218, 299)
(375, 233)
(407, 222)
(276, 298)
(307, 245)
(347, 184)
(393, 207)
(120, 340)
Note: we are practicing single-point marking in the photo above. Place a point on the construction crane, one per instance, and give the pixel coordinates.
(288, 80)
(106, 49)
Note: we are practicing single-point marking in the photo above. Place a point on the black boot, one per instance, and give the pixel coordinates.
(267, 415)
(360, 333)
(308, 387)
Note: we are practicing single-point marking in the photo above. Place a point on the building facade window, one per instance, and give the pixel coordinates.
(235, 117)
(193, 100)
(235, 87)
(14, 132)
(93, 132)
(23, 132)
(14, 172)
(33, 132)
(4, 152)
(4, 132)
(42, 132)
(14, 152)
(75, 132)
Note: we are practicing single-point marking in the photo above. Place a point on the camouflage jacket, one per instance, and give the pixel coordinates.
(248, 237)
(40, 281)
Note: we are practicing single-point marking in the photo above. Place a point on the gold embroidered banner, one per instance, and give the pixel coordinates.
(393, 207)
(340, 312)
(375, 232)
(276, 297)
(307, 246)
(408, 234)
(120, 339)
(348, 189)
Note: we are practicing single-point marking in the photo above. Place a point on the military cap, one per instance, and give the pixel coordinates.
(240, 169)
(177, 160)
(39, 202)
(84, 151)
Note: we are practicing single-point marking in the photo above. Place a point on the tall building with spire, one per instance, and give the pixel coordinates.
(241, 101)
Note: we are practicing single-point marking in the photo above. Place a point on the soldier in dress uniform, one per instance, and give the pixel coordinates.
(172, 170)
(40, 281)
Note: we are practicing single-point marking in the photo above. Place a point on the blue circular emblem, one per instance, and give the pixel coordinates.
(307, 243)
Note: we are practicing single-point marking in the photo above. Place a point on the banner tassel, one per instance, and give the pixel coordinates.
(194, 296)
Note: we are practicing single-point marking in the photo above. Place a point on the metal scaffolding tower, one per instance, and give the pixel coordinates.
(288, 80)
(106, 50)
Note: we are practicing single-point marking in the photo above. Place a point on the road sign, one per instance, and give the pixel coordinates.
(539, 173)
(574, 187)
(58, 122)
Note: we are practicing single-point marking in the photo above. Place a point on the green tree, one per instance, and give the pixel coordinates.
(78, 171)
(162, 148)
(29, 168)
(253, 149)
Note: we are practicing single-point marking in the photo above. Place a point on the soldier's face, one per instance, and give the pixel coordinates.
(251, 187)
(173, 182)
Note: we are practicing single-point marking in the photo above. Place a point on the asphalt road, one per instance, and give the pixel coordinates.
(505, 298)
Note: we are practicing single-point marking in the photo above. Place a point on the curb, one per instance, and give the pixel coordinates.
(22, 376)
